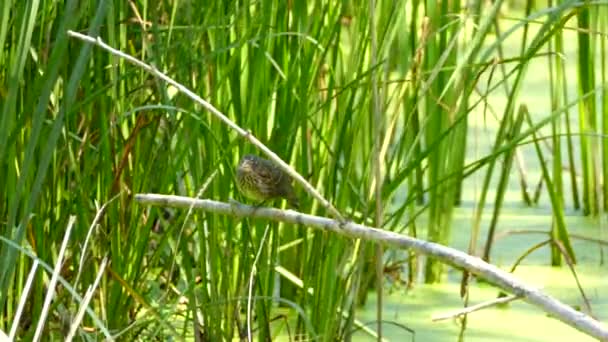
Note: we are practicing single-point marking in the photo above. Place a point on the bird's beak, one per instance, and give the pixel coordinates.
(245, 165)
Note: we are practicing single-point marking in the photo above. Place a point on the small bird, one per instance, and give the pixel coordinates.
(260, 180)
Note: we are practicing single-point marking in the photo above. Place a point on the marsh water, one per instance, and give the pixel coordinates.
(516, 321)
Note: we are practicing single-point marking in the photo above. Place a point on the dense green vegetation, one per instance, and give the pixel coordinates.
(371, 102)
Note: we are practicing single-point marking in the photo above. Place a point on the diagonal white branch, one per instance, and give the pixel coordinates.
(500, 278)
(245, 134)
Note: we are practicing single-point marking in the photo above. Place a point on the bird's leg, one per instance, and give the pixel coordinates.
(233, 204)
(260, 204)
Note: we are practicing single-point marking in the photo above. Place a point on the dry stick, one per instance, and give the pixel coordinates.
(254, 270)
(22, 301)
(52, 287)
(86, 300)
(544, 232)
(246, 134)
(502, 279)
(477, 307)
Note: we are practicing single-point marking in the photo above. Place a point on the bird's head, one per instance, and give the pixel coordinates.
(247, 162)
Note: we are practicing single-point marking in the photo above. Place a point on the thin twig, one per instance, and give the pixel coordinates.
(251, 275)
(476, 307)
(86, 300)
(22, 302)
(50, 293)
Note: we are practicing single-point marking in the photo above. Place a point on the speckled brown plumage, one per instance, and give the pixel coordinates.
(260, 180)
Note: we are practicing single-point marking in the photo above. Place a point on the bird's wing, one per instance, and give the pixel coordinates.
(269, 173)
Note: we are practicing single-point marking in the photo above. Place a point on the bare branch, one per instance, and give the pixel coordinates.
(245, 134)
(500, 278)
